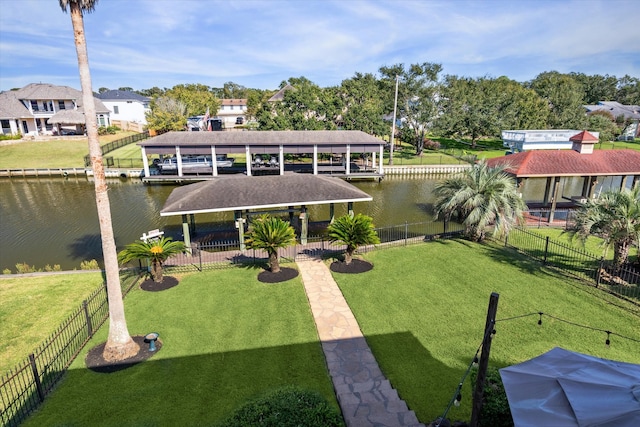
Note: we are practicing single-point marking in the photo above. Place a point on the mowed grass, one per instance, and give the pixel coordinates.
(423, 310)
(31, 308)
(226, 337)
(62, 153)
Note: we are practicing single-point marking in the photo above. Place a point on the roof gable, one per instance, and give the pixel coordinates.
(122, 95)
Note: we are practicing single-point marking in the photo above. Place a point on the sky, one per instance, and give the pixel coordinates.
(260, 43)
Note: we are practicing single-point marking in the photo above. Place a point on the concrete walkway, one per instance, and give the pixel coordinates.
(364, 394)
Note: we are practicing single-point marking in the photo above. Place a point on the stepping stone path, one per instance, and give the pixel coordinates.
(365, 396)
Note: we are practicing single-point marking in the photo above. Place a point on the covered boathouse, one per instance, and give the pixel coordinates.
(247, 196)
(337, 146)
(581, 161)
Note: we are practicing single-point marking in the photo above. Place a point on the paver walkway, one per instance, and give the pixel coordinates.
(364, 394)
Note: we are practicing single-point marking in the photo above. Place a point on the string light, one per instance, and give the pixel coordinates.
(540, 319)
(459, 396)
(608, 341)
(475, 361)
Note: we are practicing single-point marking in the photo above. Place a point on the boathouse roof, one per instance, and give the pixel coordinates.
(241, 192)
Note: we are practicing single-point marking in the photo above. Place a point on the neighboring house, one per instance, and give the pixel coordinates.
(548, 139)
(279, 95)
(230, 110)
(629, 112)
(616, 109)
(126, 106)
(42, 109)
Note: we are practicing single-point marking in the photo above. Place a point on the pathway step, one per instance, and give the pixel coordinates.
(365, 396)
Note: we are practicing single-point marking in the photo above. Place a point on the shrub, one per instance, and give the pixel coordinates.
(56, 267)
(495, 406)
(6, 271)
(110, 130)
(285, 407)
(9, 137)
(430, 144)
(89, 265)
(23, 267)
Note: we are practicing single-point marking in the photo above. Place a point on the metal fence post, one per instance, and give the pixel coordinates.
(546, 250)
(406, 232)
(36, 377)
(599, 272)
(85, 307)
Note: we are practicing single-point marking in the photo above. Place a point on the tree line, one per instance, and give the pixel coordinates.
(428, 103)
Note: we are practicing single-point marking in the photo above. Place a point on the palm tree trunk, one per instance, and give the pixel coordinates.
(156, 271)
(119, 343)
(274, 264)
(348, 256)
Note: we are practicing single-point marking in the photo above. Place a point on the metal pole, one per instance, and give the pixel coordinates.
(393, 126)
(484, 359)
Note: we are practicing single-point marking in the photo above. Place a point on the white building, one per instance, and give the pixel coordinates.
(42, 108)
(230, 110)
(126, 106)
(548, 139)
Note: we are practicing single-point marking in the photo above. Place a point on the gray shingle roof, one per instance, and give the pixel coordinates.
(616, 109)
(40, 91)
(238, 192)
(287, 137)
(122, 95)
(12, 108)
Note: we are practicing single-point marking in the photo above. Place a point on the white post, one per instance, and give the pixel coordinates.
(315, 159)
(247, 156)
(214, 162)
(281, 158)
(178, 160)
(348, 165)
(381, 169)
(145, 161)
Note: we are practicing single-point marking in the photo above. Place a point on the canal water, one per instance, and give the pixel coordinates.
(54, 220)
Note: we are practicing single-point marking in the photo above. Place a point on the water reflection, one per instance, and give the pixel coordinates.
(54, 221)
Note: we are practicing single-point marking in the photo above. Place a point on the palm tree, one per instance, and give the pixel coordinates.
(270, 233)
(480, 197)
(615, 217)
(157, 251)
(119, 344)
(353, 231)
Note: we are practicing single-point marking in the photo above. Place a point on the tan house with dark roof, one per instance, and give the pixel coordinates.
(42, 109)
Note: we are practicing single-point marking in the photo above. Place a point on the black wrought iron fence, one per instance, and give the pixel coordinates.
(623, 281)
(114, 145)
(24, 388)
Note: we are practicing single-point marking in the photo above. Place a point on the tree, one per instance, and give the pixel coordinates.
(363, 104)
(628, 90)
(270, 233)
(196, 98)
(156, 250)
(418, 90)
(233, 90)
(601, 121)
(480, 197)
(166, 114)
(564, 97)
(103, 89)
(614, 216)
(353, 231)
(119, 344)
(596, 88)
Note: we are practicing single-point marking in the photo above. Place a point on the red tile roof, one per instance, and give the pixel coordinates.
(543, 163)
(584, 136)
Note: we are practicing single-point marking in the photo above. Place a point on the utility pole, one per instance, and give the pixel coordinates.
(392, 140)
(484, 359)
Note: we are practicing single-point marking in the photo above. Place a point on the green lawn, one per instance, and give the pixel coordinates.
(423, 310)
(31, 308)
(51, 154)
(226, 337)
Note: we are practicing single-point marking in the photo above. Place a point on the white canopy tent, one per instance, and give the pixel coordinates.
(564, 388)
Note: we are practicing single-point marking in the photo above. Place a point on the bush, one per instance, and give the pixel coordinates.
(495, 406)
(285, 407)
(430, 144)
(23, 267)
(6, 271)
(89, 265)
(110, 130)
(56, 267)
(9, 137)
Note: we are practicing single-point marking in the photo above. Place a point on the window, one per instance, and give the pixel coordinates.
(61, 104)
(116, 109)
(101, 121)
(34, 105)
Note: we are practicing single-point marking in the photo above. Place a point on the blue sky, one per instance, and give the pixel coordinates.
(259, 43)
